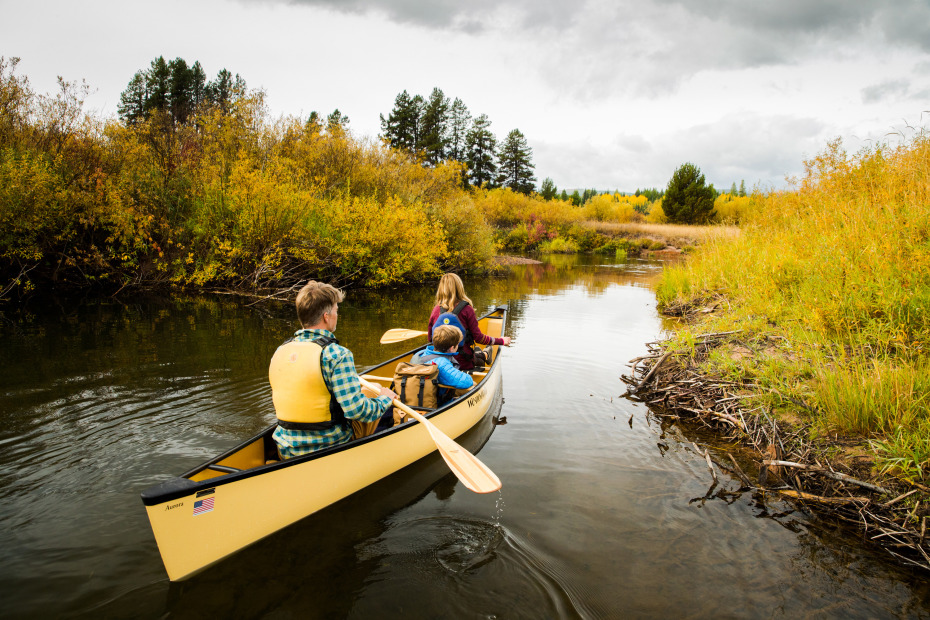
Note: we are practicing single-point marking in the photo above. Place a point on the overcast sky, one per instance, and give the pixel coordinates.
(611, 94)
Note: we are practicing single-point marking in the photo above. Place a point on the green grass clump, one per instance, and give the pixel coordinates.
(559, 245)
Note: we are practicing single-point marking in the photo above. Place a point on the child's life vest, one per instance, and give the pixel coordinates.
(452, 318)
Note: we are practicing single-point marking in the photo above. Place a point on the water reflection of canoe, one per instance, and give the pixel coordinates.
(246, 494)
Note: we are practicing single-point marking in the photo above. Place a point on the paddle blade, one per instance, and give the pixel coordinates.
(398, 334)
(475, 475)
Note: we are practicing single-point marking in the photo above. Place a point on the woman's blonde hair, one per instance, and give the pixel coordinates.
(450, 292)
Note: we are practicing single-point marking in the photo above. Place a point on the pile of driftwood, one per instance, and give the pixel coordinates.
(892, 514)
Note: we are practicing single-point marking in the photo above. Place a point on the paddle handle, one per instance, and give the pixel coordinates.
(374, 387)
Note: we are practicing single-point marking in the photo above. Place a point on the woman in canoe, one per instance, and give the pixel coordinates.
(453, 306)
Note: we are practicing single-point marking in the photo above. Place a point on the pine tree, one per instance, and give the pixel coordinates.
(198, 85)
(459, 119)
(434, 122)
(515, 163)
(742, 188)
(733, 190)
(480, 146)
(564, 196)
(157, 86)
(314, 125)
(132, 101)
(401, 127)
(548, 190)
(337, 122)
(687, 199)
(177, 90)
(180, 90)
(220, 91)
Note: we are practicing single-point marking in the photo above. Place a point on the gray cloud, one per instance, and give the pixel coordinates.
(474, 16)
(899, 21)
(884, 90)
(600, 47)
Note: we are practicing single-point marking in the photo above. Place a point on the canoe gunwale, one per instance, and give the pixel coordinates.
(181, 486)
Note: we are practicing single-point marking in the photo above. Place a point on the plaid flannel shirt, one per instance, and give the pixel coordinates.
(339, 373)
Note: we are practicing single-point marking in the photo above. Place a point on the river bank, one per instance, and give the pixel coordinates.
(817, 318)
(834, 476)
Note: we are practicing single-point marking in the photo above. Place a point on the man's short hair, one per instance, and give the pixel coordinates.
(314, 300)
(445, 337)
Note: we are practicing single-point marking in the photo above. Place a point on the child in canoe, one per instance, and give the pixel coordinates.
(442, 353)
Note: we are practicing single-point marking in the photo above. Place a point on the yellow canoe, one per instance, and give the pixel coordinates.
(246, 494)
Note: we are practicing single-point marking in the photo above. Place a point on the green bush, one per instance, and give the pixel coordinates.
(559, 245)
(614, 246)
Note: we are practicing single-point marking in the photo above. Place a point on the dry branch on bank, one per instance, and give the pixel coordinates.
(891, 514)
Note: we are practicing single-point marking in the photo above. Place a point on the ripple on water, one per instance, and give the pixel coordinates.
(476, 567)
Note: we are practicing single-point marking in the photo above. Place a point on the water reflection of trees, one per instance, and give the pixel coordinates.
(366, 315)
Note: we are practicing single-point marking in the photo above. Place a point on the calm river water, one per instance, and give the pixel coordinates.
(604, 512)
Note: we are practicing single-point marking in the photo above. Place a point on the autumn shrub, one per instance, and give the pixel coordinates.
(731, 209)
(505, 208)
(614, 208)
(410, 247)
(516, 239)
(585, 237)
(469, 237)
(614, 246)
(229, 199)
(656, 215)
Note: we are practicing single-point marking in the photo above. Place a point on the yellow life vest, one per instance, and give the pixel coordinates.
(301, 399)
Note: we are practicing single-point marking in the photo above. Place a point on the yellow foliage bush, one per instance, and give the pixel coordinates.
(384, 243)
(656, 215)
(613, 208)
(229, 199)
(732, 209)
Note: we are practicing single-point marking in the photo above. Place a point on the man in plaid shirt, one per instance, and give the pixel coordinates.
(304, 424)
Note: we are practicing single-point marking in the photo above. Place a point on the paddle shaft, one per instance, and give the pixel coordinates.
(475, 475)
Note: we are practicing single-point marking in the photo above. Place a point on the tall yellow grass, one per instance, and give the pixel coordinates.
(667, 231)
(840, 267)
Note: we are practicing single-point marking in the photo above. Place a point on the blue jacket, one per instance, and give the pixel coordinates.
(448, 373)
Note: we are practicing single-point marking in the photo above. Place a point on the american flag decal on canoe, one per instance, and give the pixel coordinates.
(203, 505)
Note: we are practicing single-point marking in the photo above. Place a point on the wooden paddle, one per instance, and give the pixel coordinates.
(475, 475)
(399, 333)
